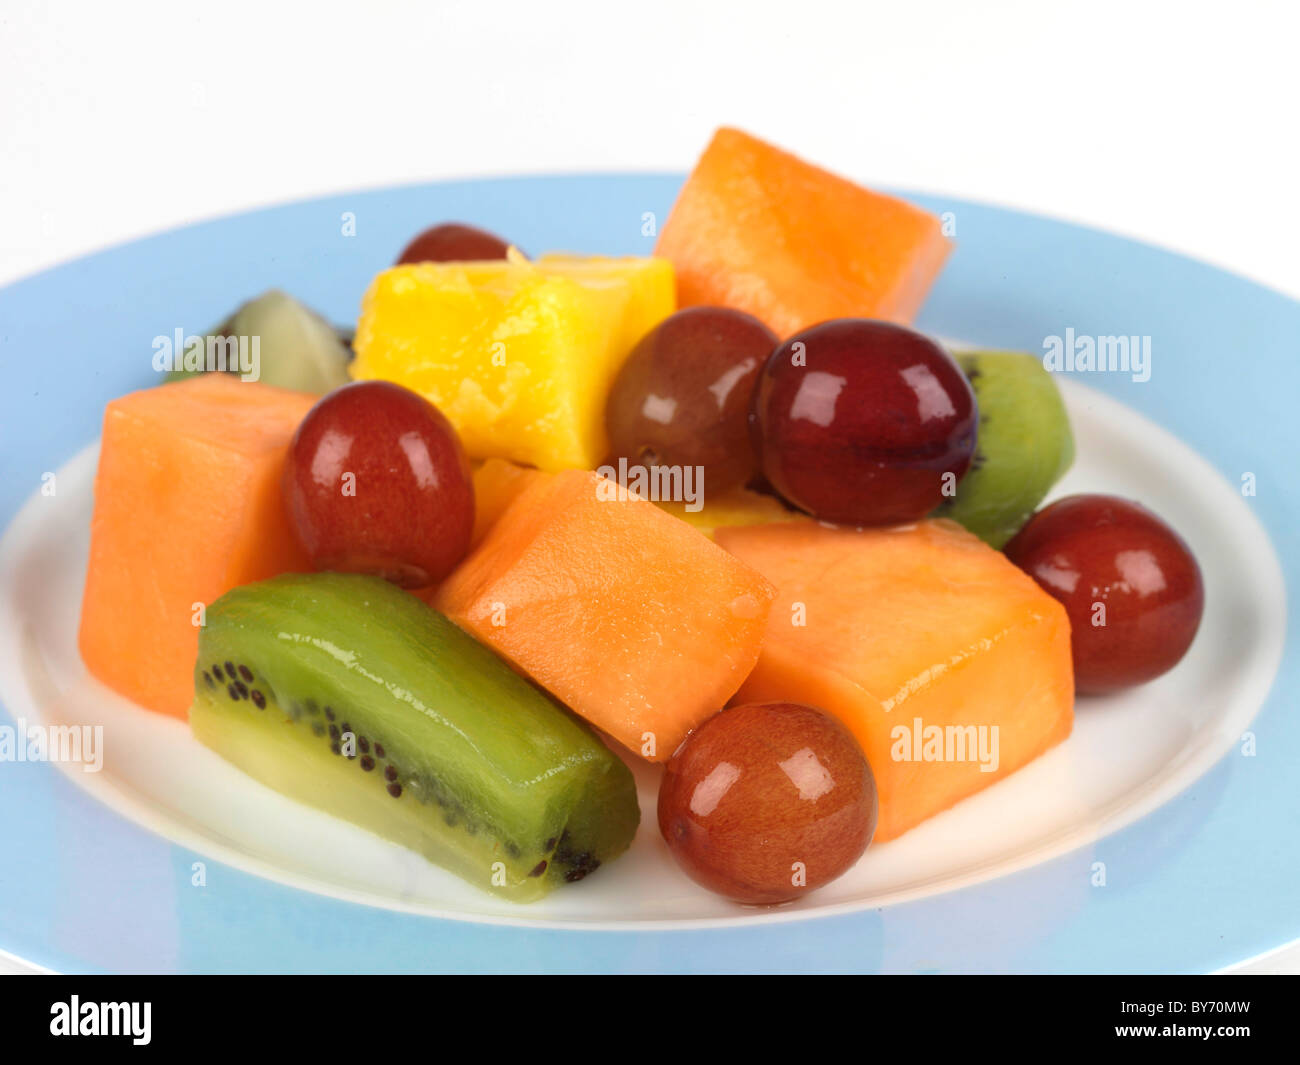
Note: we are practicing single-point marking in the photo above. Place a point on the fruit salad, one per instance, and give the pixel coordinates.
(719, 512)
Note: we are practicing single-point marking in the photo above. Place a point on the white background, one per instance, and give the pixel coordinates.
(1176, 123)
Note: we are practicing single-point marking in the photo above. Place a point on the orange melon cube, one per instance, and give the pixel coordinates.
(631, 617)
(187, 506)
(760, 230)
(497, 484)
(950, 666)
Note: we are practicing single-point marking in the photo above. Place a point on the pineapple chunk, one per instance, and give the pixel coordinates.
(518, 355)
(738, 506)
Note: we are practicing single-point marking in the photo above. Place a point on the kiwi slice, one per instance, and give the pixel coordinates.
(297, 348)
(1024, 444)
(346, 693)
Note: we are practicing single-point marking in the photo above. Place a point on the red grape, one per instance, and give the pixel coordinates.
(453, 242)
(862, 422)
(682, 397)
(376, 482)
(762, 797)
(1128, 582)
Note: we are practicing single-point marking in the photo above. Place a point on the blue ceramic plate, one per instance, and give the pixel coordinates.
(1163, 835)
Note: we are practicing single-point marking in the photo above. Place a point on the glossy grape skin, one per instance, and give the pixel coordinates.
(857, 422)
(1086, 550)
(407, 509)
(759, 788)
(453, 242)
(682, 396)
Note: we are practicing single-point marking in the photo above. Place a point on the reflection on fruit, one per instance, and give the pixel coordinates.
(187, 506)
(1130, 584)
(347, 694)
(861, 422)
(903, 630)
(635, 620)
(453, 242)
(682, 397)
(759, 230)
(1024, 444)
(376, 482)
(519, 356)
(765, 803)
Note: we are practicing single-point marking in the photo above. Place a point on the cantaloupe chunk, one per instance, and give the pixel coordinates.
(901, 632)
(497, 484)
(187, 506)
(632, 618)
(518, 355)
(759, 230)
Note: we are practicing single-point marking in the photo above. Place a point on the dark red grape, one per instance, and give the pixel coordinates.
(766, 802)
(376, 482)
(453, 242)
(1129, 583)
(861, 422)
(682, 397)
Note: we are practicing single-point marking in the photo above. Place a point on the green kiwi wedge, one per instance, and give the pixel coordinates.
(1024, 444)
(353, 696)
(297, 348)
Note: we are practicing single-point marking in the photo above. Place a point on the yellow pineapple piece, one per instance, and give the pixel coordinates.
(518, 355)
(737, 506)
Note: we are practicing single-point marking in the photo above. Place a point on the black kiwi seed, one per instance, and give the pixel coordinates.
(216, 671)
(364, 744)
(207, 677)
(550, 844)
(317, 728)
(230, 671)
(512, 850)
(335, 748)
(379, 750)
(312, 708)
(246, 673)
(395, 790)
(334, 732)
(539, 868)
(390, 772)
(574, 875)
(242, 688)
(367, 763)
(329, 714)
(346, 727)
(233, 694)
(259, 699)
